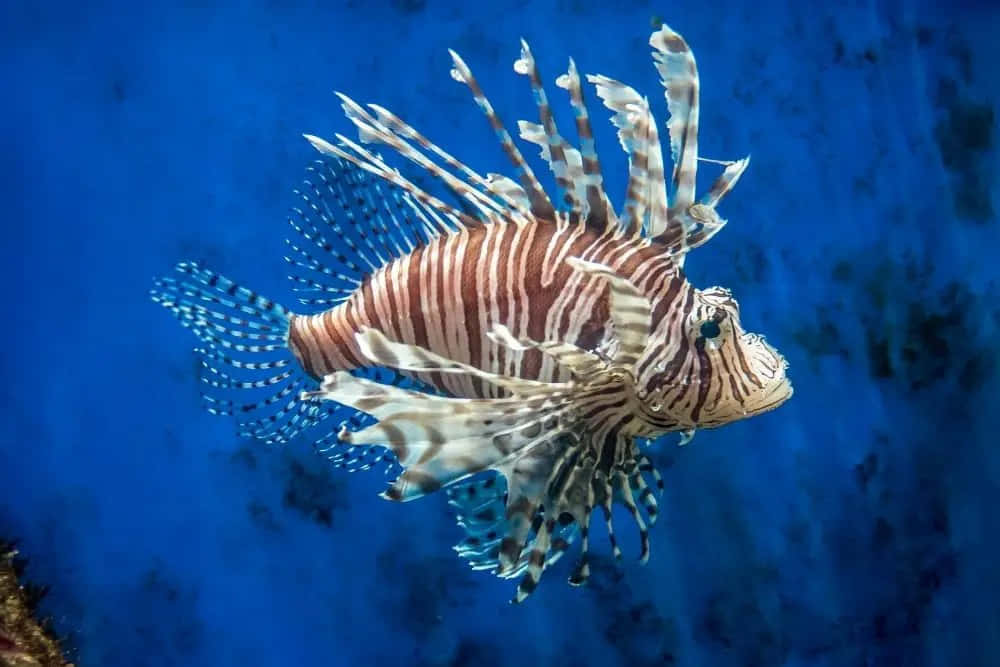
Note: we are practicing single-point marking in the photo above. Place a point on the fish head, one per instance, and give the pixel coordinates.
(715, 372)
(735, 373)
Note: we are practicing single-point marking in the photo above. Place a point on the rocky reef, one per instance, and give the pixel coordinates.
(24, 640)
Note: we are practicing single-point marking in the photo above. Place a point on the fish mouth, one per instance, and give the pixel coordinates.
(772, 396)
(772, 387)
(768, 366)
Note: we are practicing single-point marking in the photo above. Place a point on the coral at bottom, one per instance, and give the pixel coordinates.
(24, 641)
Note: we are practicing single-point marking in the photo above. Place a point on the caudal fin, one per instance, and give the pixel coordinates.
(247, 368)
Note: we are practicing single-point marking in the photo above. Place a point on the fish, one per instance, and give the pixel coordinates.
(514, 350)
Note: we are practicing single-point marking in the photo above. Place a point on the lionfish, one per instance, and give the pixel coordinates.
(511, 350)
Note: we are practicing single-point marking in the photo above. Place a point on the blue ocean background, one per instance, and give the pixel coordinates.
(856, 525)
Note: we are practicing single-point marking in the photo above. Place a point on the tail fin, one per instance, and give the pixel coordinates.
(246, 364)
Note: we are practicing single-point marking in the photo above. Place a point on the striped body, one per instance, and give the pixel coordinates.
(448, 295)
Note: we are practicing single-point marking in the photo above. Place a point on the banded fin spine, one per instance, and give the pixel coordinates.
(541, 207)
(645, 207)
(598, 211)
(725, 182)
(688, 224)
(372, 129)
(516, 202)
(678, 71)
(677, 222)
(555, 146)
(246, 366)
(445, 217)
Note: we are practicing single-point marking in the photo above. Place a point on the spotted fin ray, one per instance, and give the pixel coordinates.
(245, 368)
(480, 510)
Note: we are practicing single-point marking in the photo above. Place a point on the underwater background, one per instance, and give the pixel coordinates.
(856, 525)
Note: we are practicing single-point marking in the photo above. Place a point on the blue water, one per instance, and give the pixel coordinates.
(856, 525)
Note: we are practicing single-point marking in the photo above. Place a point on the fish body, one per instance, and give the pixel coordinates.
(511, 350)
(447, 295)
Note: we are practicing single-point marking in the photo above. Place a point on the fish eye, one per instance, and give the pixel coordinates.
(710, 329)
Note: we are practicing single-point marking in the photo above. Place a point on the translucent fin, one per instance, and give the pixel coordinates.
(364, 457)
(480, 510)
(347, 225)
(246, 366)
(441, 440)
(572, 166)
(725, 182)
(447, 217)
(701, 221)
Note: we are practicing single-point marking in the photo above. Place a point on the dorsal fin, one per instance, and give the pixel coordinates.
(512, 197)
(600, 214)
(555, 145)
(645, 198)
(702, 222)
(390, 130)
(347, 226)
(679, 75)
(688, 225)
(541, 207)
(352, 152)
(678, 223)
